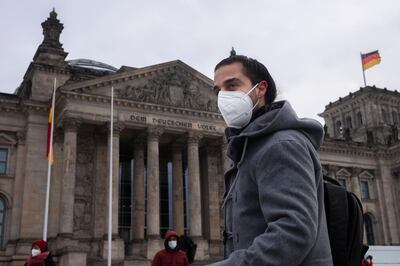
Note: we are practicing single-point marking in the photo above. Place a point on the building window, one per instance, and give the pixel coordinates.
(359, 119)
(349, 122)
(2, 220)
(3, 161)
(395, 118)
(342, 182)
(384, 116)
(369, 230)
(339, 129)
(364, 190)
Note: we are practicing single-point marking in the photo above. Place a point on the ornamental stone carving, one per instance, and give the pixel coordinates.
(154, 133)
(194, 137)
(71, 124)
(83, 207)
(118, 127)
(173, 89)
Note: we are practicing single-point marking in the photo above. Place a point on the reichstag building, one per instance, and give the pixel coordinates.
(168, 158)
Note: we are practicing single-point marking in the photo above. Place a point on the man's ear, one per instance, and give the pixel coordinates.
(263, 88)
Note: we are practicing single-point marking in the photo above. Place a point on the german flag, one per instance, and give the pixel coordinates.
(370, 59)
(49, 126)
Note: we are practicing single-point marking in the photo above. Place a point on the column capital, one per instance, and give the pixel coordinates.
(117, 127)
(21, 137)
(153, 133)
(71, 124)
(222, 141)
(355, 171)
(194, 137)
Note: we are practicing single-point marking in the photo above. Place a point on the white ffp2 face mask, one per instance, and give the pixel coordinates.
(172, 244)
(236, 107)
(35, 252)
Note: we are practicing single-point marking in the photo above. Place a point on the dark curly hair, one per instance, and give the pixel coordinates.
(255, 71)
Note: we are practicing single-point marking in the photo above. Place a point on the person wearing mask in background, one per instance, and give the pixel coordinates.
(274, 195)
(171, 255)
(40, 255)
(367, 261)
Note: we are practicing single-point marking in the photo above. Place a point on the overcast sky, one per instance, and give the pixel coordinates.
(311, 47)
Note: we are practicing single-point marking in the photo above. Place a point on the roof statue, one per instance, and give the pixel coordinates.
(233, 52)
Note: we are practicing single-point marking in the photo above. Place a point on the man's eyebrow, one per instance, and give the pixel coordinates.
(227, 81)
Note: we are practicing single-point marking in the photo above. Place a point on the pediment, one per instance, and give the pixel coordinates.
(169, 84)
(6, 139)
(365, 174)
(343, 172)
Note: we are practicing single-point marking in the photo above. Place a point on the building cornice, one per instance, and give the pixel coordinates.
(162, 68)
(355, 149)
(358, 97)
(138, 105)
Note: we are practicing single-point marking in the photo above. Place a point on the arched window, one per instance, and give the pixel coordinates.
(339, 128)
(359, 119)
(369, 230)
(395, 118)
(349, 123)
(384, 116)
(2, 220)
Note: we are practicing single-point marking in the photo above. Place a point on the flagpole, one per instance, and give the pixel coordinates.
(362, 66)
(110, 186)
(49, 159)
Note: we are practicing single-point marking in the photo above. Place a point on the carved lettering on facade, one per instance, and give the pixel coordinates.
(173, 123)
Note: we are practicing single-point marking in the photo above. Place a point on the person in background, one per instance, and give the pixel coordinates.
(367, 261)
(171, 255)
(40, 255)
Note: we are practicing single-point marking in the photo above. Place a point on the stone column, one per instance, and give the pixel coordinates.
(388, 198)
(154, 243)
(118, 127)
(355, 182)
(18, 187)
(213, 201)
(226, 162)
(382, 213)
(195, 226)
(177, 189)
(68, 179)
(153, 183)
(138, 197)
(117, 243)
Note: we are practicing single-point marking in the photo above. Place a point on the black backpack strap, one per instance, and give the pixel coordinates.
(356, 221)
(336, 205)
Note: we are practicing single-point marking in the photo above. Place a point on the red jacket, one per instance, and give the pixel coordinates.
(365, 263)
(169, 257)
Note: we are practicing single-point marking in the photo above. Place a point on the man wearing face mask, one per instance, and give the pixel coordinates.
(40, 255)
(171, 255)
(273, 201)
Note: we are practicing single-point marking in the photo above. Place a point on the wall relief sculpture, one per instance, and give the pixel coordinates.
(171, 89)
(83, 207)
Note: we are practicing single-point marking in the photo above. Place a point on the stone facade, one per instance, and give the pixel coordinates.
(168, 158)
(164, 116)
(362, 150)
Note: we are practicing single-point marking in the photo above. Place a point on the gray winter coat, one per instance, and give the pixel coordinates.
(274, 202)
